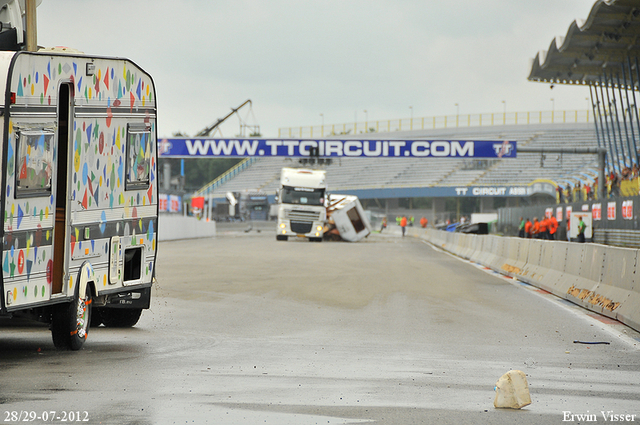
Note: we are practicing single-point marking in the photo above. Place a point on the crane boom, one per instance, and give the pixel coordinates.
(208, 130)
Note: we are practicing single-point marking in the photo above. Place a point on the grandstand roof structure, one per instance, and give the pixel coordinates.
(606, 40)
(602, 53)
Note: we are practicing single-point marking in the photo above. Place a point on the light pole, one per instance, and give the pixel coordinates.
(457, 113)
(411, 122)
(553, 109)
(322, 128)
(366, 120)
(504, 112)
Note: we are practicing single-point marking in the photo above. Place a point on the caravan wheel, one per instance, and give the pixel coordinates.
(70, 322)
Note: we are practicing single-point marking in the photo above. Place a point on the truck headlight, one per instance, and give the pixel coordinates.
(282, 225)
(319, 228)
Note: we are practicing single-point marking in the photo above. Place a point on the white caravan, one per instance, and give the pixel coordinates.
(79, 190)
(346, 215)
(302, 204)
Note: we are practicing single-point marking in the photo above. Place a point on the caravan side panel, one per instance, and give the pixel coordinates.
(5, 61)
(108, 187)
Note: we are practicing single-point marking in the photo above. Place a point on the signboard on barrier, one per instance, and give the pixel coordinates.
(588, 221)
(210, 147)
(517, 191)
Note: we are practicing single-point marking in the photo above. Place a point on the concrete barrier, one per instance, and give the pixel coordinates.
(554, 280)
(513, 247)
(523, 254)
(629, 310)
(174, 227)
(469, 244)
(462, 241)
(617, 283)
(531, 271)
(588, 276)
(601, 278)
(544, 263)
(501, 254)
(436, 237)
(488, 253)
(454, 244)
(478, 249)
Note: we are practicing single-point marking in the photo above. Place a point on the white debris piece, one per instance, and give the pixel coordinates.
(512, 390)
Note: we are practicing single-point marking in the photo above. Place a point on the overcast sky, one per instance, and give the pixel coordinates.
(297, 59)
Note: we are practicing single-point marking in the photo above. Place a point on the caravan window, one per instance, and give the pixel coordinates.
(138, 158)
(34, 162)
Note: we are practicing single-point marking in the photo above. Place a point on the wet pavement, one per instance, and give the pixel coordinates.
(247, 330)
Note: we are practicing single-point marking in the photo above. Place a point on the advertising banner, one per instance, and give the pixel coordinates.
(210, 147)
(504, 190)
(596, 210)
(627, 209)
(175, 203)
(611, 210)
(163, 202)
(197, 202)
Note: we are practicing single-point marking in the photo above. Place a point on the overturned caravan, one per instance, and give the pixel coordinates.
(346, 219)
(79, 191)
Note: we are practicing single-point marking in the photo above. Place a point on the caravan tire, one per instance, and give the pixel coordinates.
(120, 317)
(70, 322)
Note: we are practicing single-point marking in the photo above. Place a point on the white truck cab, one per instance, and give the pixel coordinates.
(302, 204)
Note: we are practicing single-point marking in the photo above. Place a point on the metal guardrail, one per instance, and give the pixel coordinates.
(617, 237)
(432, 123)
(210, 187)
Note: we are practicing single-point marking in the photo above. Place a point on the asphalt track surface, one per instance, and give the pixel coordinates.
(247, 330)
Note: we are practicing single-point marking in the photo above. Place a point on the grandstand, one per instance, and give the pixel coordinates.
(387, 175)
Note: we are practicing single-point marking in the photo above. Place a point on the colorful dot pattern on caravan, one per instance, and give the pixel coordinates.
(79, 198)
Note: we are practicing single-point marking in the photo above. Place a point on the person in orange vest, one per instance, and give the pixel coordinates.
(547, 224)
(403, 224)
(424, 222)
(553, 227)
(528, 227)
(384, 224)
(536, 228)
(544, 228)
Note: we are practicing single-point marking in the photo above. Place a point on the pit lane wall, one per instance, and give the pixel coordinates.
(175, 227)
(601, 278)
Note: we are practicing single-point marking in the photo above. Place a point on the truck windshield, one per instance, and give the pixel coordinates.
(303, 196)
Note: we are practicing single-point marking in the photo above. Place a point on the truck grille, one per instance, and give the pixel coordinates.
(301, 226)
(302, 215)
